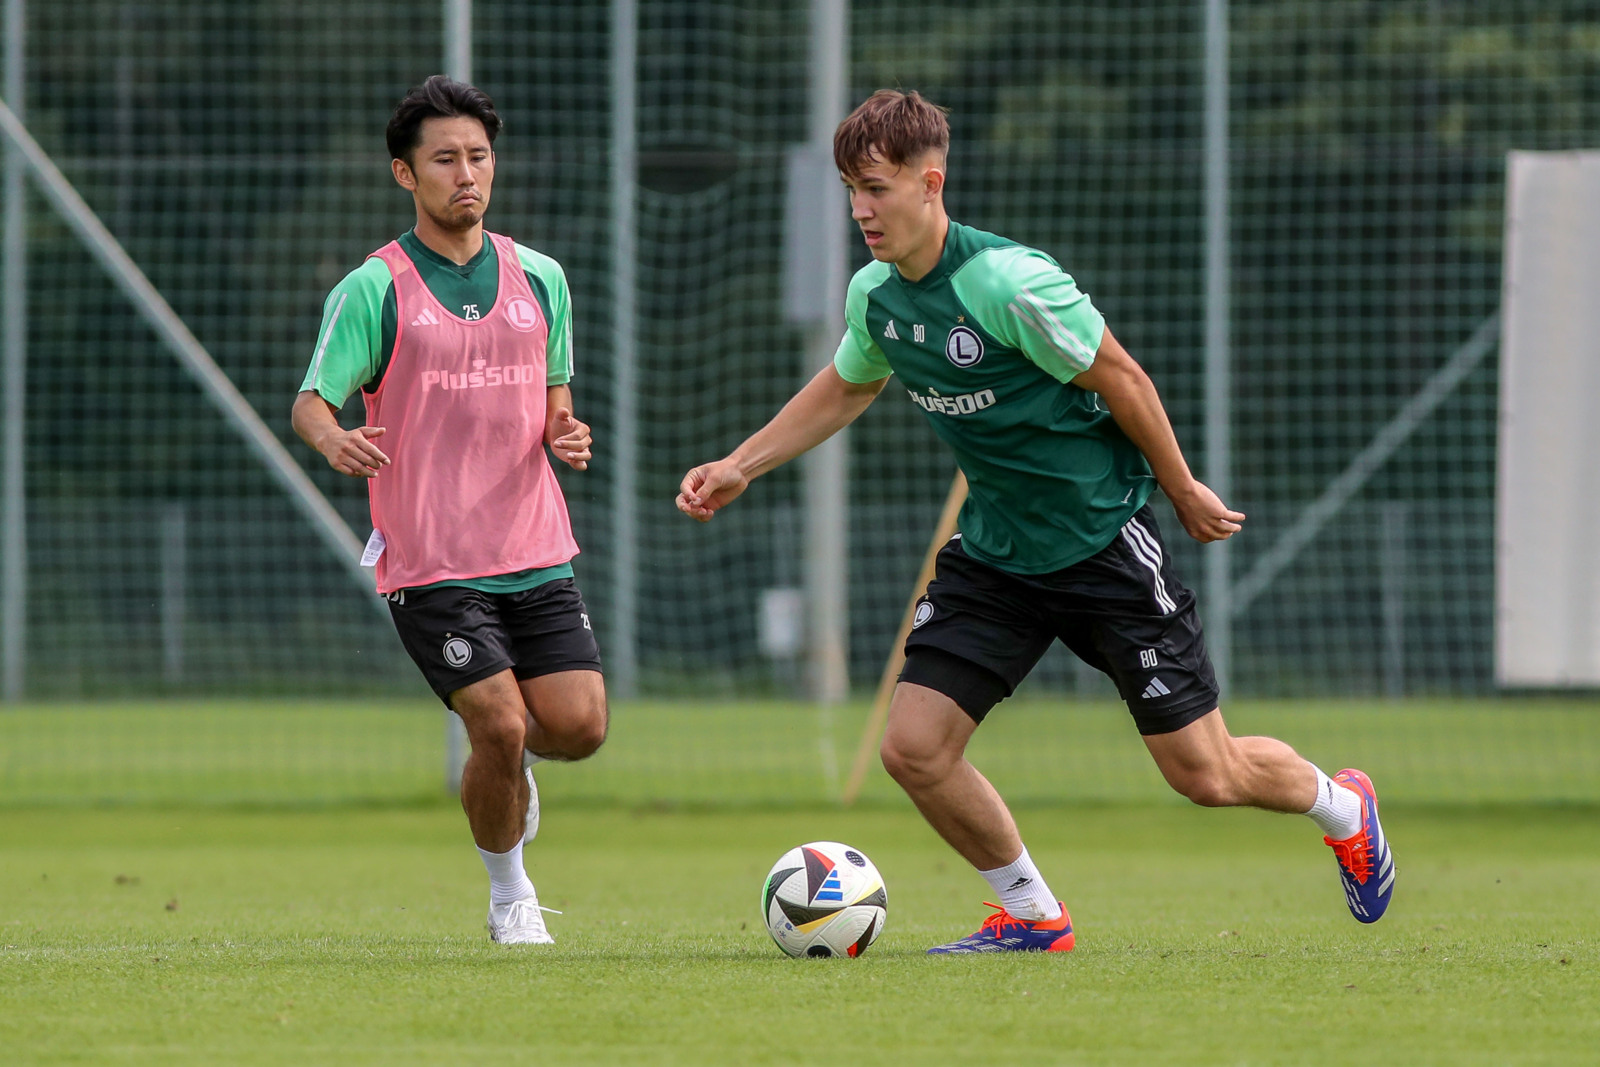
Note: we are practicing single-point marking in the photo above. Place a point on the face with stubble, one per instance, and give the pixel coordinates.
(450, 172)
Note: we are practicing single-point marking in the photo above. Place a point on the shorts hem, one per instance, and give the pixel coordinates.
(1154, 722)
(973, 687)
(470, 679)
(952, 646)
(524, 673)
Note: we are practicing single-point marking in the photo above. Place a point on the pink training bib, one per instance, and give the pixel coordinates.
(469, 492)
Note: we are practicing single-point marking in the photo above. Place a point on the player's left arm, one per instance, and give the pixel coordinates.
(1026, 300)
(1131, 397)
(568, 438)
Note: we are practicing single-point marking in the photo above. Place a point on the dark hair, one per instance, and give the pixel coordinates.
(891, 126)
(437, 98)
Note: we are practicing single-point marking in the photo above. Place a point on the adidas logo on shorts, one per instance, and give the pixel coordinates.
(1156, 689)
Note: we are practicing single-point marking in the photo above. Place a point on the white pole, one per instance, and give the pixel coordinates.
(1393, 566)
(826, 466)
(1218, 358)
(14, 308)
(174, 589)
(458, 40)
(623, 655)
(458, 66)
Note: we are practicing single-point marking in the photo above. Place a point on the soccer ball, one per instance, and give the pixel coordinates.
(824, 899)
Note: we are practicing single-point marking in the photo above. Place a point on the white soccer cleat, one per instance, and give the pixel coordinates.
(530, 822)
(520, 922)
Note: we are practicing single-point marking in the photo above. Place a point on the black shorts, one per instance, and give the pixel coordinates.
(979, 631)
(458, 636)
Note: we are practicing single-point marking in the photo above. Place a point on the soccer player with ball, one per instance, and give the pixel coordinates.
(1062, 439)
(460, 342)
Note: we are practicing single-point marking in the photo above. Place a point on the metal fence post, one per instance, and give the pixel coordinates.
(1218, 358)
(826, 467)
(14, 309)
(623, 655)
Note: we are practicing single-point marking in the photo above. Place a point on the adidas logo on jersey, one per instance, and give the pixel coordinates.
(1156, 689)
(427, 318)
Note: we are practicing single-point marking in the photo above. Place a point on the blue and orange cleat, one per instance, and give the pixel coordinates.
(1004, 932)
(1366, 866)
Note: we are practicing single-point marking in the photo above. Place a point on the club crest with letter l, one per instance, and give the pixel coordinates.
(963, 347)
(522, 315)
(457, 652)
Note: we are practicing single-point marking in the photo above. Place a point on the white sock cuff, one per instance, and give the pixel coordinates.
(1019, 867)
(508, 879)
(1337, 810)
(1022, 889)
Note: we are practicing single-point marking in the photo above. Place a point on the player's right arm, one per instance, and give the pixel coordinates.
(350, 452)
(349, 354)
(827, 404)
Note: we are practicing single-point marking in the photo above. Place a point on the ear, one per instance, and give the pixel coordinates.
(402, 174)
(932, 183)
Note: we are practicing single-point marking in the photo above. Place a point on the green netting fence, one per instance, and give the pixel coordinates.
(235, 150)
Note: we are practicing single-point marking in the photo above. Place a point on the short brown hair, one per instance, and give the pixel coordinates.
(891, 126)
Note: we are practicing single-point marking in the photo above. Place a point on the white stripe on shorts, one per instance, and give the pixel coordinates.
(1148, 550)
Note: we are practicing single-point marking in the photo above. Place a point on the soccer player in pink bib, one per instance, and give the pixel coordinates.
(460, 341)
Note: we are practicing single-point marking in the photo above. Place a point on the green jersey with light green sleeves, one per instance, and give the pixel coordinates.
(359, 321)
(987, 344)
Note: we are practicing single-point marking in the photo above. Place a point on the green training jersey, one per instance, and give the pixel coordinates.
(987, 344)
(359, 321)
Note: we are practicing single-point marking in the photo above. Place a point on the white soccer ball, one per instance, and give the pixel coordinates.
(824, 899)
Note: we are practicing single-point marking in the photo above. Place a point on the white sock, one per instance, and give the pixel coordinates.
(508, 880)
(1022, 890)
(1337, 809)
(529, 759)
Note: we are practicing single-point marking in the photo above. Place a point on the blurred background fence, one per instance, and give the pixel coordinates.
(234, 148)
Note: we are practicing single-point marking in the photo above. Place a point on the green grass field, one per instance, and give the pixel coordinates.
(251, 911)
(772, 754)
(352, 937)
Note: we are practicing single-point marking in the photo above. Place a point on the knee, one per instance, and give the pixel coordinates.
(911, 764)
(582, 735)
(499, 737)
(589, 736)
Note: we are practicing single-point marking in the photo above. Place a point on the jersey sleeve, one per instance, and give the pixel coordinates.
(349, 350)
(1024, 300)
(558, 350)
(859, 359)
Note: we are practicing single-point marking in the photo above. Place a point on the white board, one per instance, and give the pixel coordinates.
(1547, 579)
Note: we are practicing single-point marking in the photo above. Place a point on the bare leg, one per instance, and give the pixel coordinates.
(493, 792)
(924, 750)
(1215, 769)
(566, 716)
